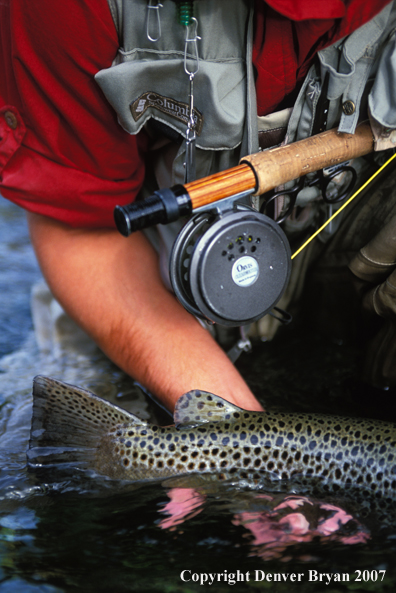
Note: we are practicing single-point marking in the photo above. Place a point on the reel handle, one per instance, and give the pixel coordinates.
(166, 205)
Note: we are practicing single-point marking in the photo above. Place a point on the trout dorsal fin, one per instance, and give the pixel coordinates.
(199, 407)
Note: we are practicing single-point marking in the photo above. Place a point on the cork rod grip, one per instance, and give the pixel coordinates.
(257, 174)
(278, 165)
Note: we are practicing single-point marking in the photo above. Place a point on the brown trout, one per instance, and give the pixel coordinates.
(73, 426)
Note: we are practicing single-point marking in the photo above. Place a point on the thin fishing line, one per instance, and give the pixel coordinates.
(343, 206)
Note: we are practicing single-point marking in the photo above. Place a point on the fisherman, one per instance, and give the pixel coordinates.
(93, 99)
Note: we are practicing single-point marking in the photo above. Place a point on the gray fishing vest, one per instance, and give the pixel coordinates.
(147, 79)
(361, 70)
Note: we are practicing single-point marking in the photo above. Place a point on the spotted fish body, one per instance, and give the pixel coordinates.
(74, 426)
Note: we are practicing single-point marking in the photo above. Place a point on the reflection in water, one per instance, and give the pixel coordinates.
(288, 520)
(184, 504)
(276, 531)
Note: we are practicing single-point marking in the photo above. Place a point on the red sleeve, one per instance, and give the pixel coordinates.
(289, 33)
(74, 161)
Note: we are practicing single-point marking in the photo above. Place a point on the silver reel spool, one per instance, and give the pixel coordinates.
(231, 267)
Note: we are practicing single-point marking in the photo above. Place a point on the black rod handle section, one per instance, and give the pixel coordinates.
(166, 205)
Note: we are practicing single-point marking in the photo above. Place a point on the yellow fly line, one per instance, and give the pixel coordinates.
(343, 206)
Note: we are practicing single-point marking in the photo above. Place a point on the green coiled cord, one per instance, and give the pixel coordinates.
(185, 11)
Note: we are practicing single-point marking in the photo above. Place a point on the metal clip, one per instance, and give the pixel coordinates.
(157, 24)
(191, 37)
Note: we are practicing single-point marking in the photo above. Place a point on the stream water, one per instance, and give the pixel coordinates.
(71, 536)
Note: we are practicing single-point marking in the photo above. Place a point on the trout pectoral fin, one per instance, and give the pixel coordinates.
(199, 407)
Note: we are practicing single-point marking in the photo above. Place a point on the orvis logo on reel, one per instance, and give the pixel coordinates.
(245, 271)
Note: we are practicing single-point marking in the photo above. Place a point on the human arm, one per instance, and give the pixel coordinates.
(112, 288)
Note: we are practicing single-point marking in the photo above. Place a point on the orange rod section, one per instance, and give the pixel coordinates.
(221, 185)
(265, 170)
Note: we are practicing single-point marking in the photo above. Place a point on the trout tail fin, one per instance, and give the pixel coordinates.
(68, 424)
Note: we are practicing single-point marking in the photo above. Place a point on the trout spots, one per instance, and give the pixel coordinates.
(357, 452)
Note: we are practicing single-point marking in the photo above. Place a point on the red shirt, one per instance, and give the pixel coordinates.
(62, 152)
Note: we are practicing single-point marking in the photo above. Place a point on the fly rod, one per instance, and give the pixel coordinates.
(257, 173)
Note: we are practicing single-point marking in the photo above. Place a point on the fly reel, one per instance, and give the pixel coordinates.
(230, 267)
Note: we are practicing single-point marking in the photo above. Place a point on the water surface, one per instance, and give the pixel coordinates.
(74, 535)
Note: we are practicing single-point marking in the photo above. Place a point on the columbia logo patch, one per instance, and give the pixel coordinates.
(171, 107)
